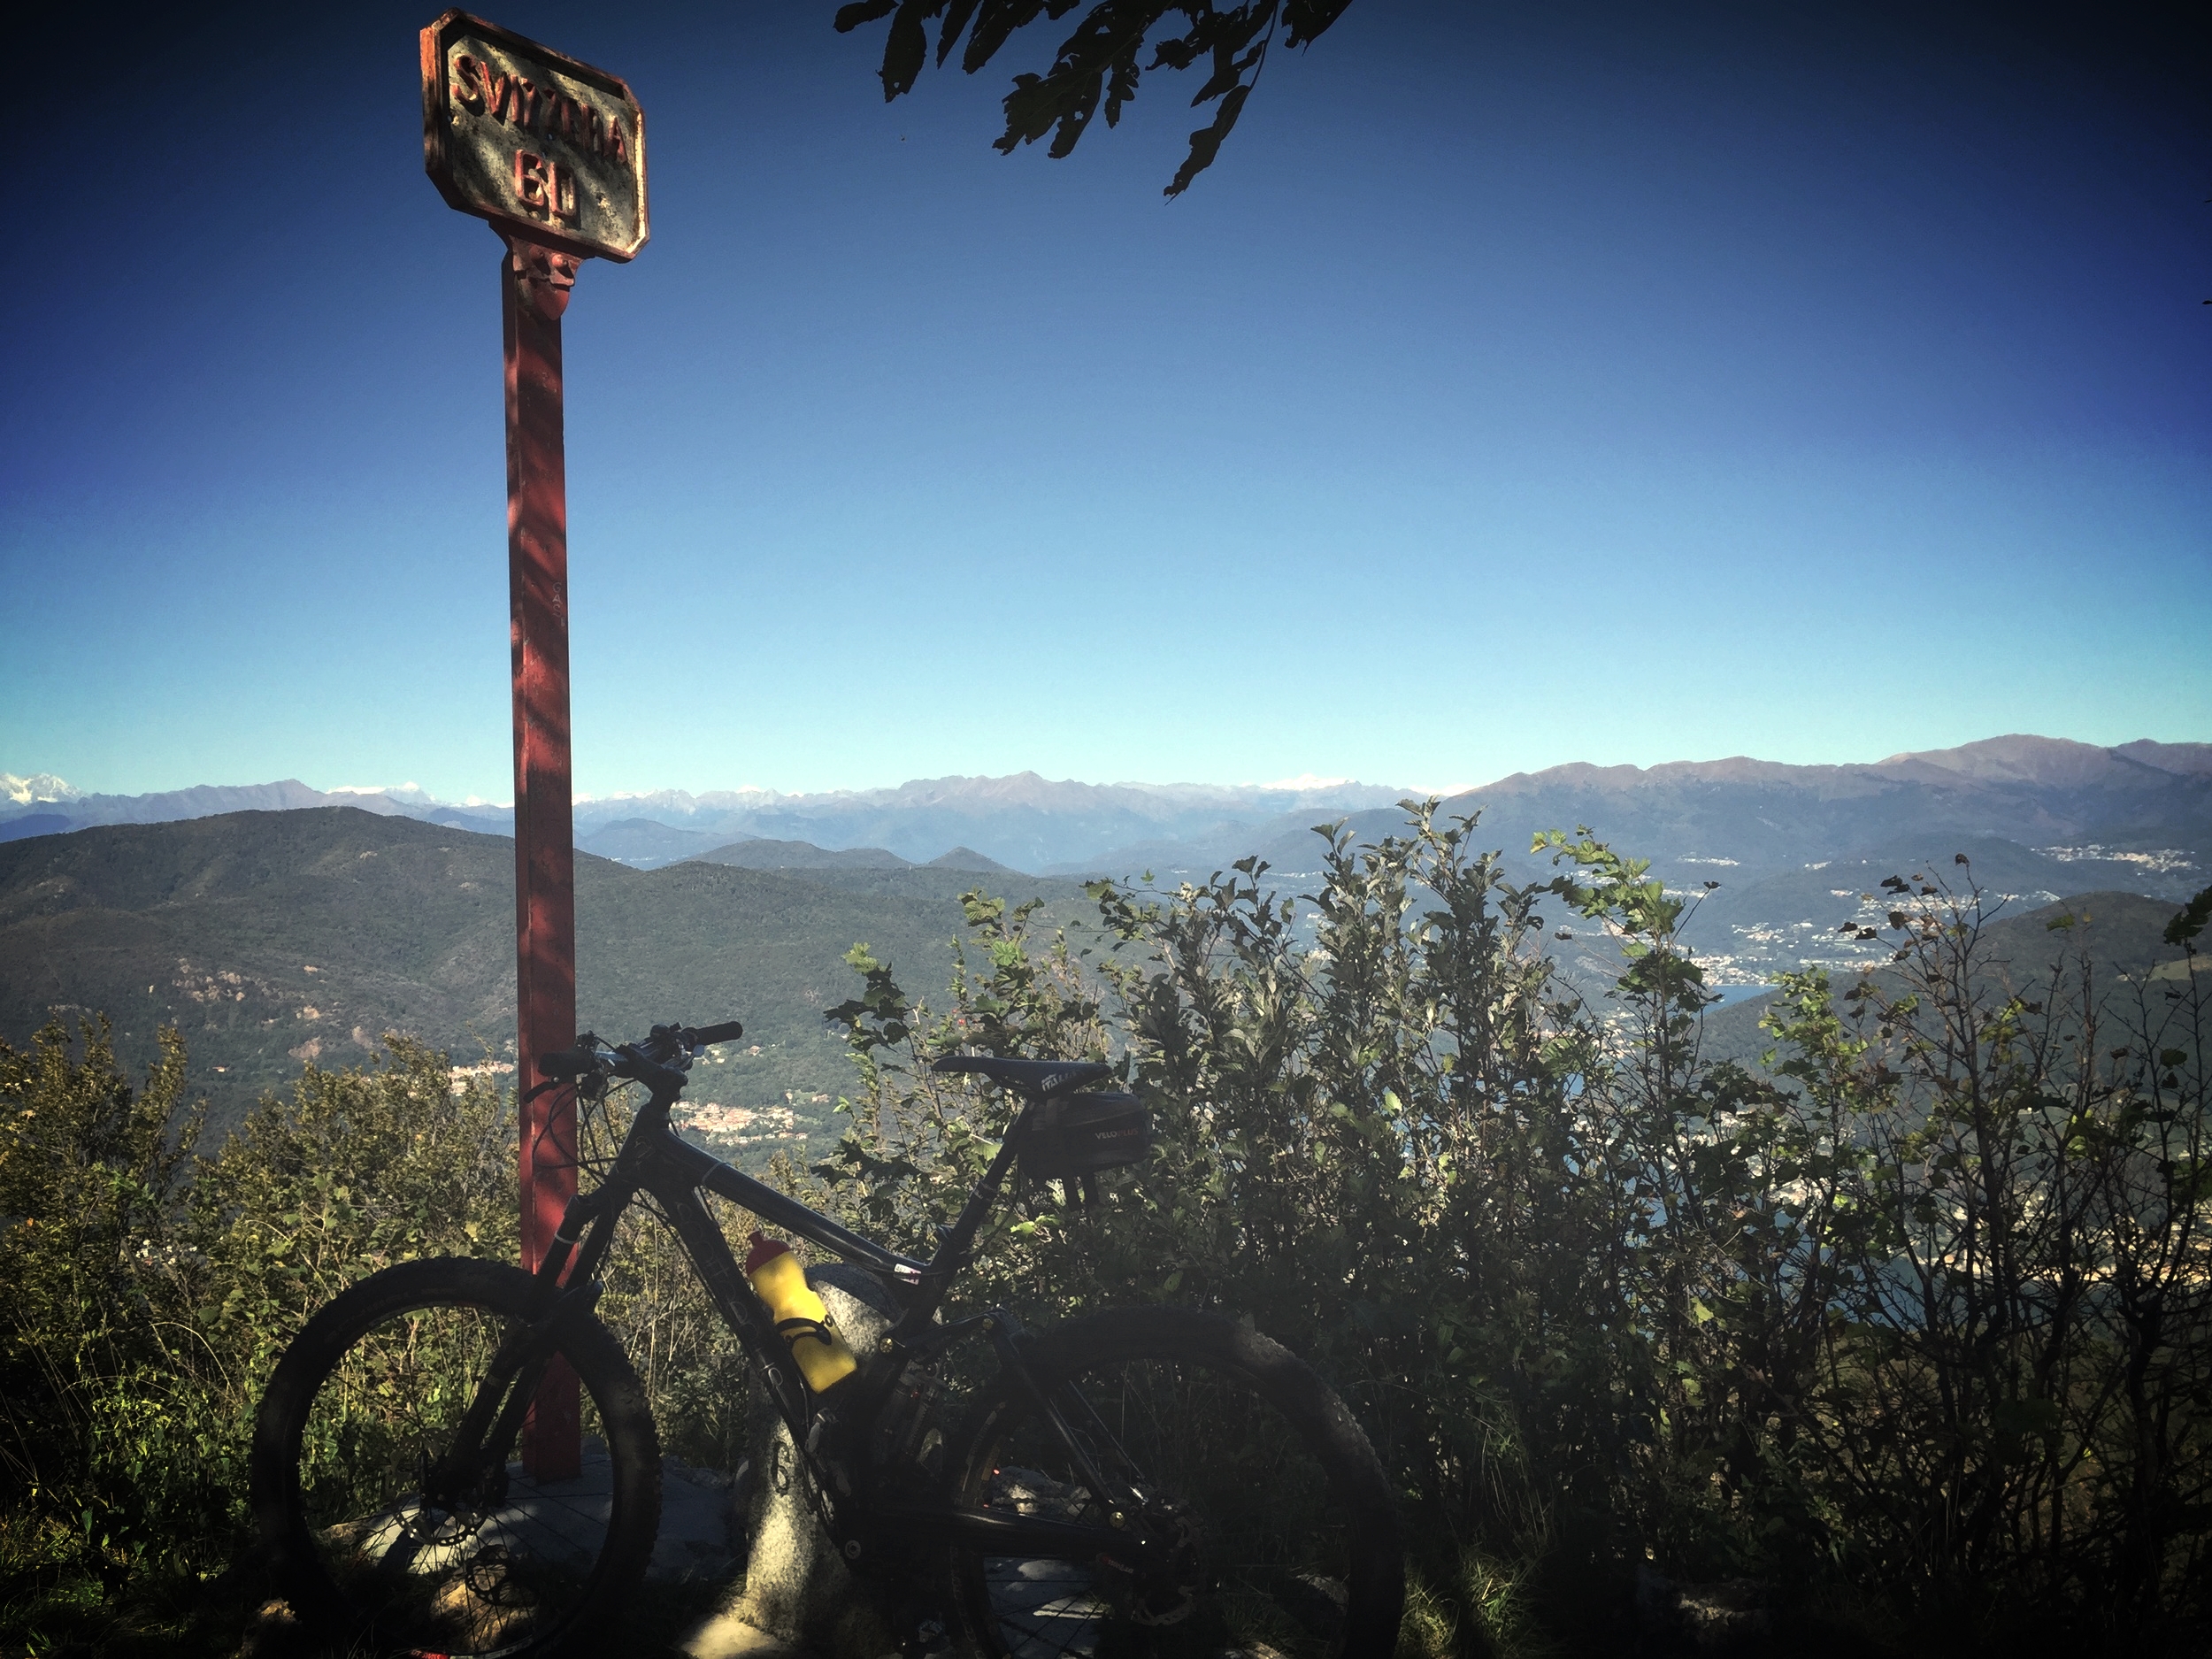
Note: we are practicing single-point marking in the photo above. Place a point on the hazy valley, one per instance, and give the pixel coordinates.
(305, 926)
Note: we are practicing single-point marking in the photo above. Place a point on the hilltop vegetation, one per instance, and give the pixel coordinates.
(1905, 1348)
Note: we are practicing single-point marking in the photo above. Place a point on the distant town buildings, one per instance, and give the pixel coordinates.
(739, 1125)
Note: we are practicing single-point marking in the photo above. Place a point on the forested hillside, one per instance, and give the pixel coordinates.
(273, 938)
(2025, 952)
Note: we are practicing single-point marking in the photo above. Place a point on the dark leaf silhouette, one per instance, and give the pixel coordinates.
(1098, 62)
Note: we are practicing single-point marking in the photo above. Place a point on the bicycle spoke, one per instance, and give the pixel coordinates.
(1045, 1607)
(485, 1574)
(1208, 1463)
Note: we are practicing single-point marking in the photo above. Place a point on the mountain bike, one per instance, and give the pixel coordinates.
(1145, 1481)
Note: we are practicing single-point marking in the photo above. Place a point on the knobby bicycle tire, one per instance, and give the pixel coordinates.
(353, 1415)
(1290, 1541)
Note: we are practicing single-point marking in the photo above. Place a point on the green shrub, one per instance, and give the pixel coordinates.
(102, 1425)
(1913, 1329)
(1916, 1331)
(151, 1290)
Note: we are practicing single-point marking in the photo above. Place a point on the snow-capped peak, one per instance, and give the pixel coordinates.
(40, 785)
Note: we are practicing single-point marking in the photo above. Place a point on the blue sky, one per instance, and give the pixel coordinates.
(1591, 386)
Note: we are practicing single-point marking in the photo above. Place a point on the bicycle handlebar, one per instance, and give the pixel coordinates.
(572, 1063)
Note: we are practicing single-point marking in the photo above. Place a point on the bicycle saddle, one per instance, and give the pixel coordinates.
(1041, 1078)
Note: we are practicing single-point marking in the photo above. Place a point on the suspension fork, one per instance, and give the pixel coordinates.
(575, 1253)
(493, 1422)
(483, 1440)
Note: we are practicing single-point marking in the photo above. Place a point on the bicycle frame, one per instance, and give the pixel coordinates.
(656, 1160)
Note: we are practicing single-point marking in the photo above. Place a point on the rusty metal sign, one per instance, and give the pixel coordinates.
(542, 145)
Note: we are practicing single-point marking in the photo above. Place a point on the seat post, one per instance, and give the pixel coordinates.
(952, 1245)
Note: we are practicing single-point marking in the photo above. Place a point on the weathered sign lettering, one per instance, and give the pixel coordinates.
(531, 139)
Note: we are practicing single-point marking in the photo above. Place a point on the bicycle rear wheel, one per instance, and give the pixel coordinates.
(365, 1402)
(1287, 1539)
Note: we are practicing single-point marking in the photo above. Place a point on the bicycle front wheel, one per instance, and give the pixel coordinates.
(1286, 1537)
(360, 1412)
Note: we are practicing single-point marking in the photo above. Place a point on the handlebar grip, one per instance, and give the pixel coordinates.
(567, 1062)
(728, 1031)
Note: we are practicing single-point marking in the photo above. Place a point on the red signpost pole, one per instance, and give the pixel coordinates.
(535, 284)
(552, 152)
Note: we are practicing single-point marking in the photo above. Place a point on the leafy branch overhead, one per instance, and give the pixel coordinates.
(1099, 61)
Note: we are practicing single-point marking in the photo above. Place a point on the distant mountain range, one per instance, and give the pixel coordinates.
(1791, 847)
(1022, 822)
(2143, 809)
(2139, 807)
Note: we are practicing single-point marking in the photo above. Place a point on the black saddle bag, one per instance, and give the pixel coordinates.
(1082, 1135)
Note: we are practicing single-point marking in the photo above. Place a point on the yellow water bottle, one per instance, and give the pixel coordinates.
(801, 1317)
